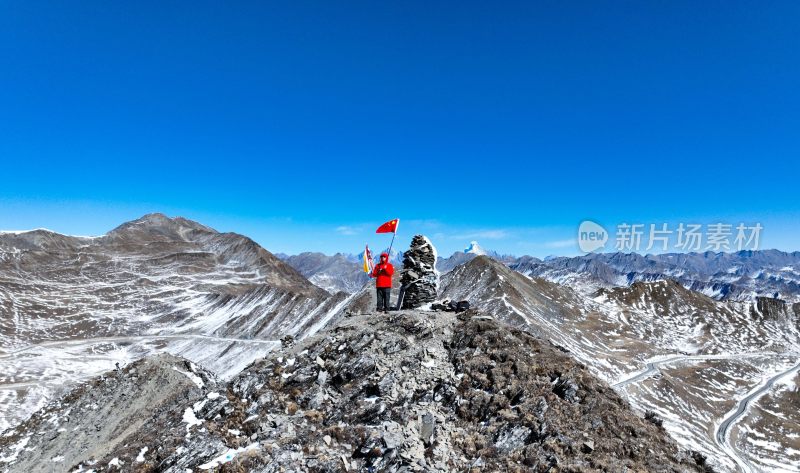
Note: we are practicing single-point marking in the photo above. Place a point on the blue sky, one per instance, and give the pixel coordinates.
(306, 124)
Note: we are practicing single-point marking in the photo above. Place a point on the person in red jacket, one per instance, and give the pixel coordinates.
(383, 284)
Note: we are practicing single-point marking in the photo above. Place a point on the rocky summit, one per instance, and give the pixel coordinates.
(412, 391)
(419, 277)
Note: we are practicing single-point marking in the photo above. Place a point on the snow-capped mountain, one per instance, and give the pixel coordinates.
(696, 362)
(474, 248)
(72, 307)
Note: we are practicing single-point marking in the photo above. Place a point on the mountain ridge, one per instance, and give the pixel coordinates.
(676, 352)
(389, 394)
(153, 284)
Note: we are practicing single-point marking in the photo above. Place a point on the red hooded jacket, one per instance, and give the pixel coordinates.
(383, 271)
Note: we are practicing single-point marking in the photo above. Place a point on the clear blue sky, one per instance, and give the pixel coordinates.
(306, 124)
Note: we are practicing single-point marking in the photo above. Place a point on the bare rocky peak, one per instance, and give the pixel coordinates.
(155, 225)
(488, 282)
(660, 295)
(154, 241)
(768, 307)
(40, 239)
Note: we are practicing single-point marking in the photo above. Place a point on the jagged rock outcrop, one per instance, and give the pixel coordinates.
(769, 307)
(419, 277)
(412, 391)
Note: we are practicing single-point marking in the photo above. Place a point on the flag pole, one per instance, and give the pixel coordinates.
(394, 233)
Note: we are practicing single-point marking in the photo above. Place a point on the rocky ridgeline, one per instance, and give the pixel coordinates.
(110, 416)
(768, 307)
(419, 277)
(412, 391)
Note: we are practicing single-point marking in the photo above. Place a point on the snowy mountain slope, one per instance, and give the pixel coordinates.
(335, 273)
(715, 352)
(96, 418)
(71, 307)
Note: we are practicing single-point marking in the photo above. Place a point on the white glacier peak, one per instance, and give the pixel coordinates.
(475, 249)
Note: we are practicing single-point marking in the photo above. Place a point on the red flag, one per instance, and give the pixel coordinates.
(388, 227)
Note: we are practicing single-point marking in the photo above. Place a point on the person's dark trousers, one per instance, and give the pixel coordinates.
(383, 298)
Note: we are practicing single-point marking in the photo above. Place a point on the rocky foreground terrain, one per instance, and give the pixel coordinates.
(411, 391)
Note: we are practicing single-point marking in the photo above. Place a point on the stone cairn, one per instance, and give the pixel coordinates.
(419, 278)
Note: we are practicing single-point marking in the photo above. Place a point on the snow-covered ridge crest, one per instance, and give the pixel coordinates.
(45, 230)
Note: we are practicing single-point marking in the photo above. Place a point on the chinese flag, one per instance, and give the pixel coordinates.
(388, 227)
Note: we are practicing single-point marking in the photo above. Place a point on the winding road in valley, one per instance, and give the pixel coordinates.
(652, 367)
(133, 338)
(722, 432)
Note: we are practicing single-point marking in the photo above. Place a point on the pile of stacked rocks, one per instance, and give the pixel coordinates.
(419, 278)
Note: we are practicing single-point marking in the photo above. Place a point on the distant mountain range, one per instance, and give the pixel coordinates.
(339, 272)
(740, 276)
